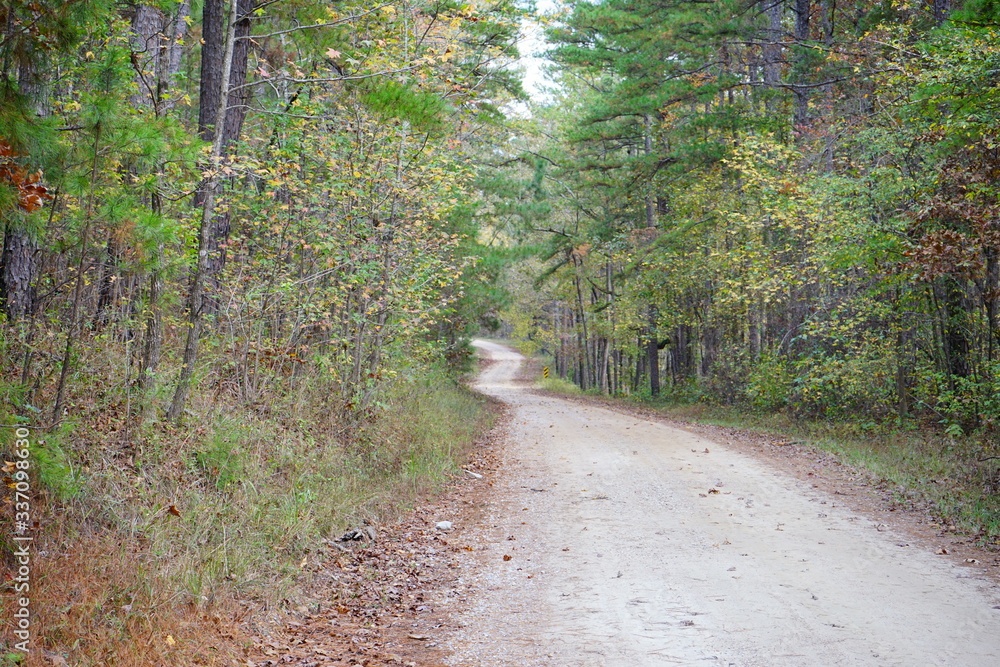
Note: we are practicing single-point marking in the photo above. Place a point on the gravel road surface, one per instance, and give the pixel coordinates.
(619, 541)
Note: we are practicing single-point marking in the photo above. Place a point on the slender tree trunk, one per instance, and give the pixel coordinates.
(584, 341)
(956, 339)
(829, 10)
(220, 62)
(753, 325)
(196, 299)
(640, 364)
(647, 137)
(902, 366)
(169, 55)
(152, 344)
(990, 295)
(109, 292)
(73, 330)
(802, 8)
(158, 49)
(653, 353)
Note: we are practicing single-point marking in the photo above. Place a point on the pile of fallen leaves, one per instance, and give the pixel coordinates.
(387, 598)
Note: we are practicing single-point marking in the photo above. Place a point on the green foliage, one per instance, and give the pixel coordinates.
(345, 259)
(222, 459)
(977, 12)
(769, 384)
(813, 234)
(54, 466)
(559, 386)
(392, 99)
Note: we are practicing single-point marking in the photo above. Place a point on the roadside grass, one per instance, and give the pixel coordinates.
(560, 386)
(956, 478)
(158, 544)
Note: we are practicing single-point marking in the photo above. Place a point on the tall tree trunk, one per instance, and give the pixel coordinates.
(214, 54)
(991, 292)
(73, 331)
(829, 10)
(753, 327)
(802, 8)
(903, 364)
(19, 261)
(196, 298)
(647, 138)
(773, 10)
(653, 353)
(955, 338)
(941, 10)
(18, 267)
(111, 284)
(157, 48)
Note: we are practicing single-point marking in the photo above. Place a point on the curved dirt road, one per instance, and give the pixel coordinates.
(632, 543)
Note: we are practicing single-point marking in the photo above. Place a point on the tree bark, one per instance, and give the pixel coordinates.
(653, 354)
(829, 11)
(955, 338)
(802, 8)
(212, 74)
(196, 298)
(941, 10)
(19, 262)
(647, 138)
(773, 9)
(17, 273)
(157, 52)
(157, 48)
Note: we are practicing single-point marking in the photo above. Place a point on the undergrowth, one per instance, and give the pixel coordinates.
(159, 542)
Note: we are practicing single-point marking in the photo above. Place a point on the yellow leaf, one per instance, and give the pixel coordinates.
(170, 640)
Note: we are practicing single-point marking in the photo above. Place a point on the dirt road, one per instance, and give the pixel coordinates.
(632, 543)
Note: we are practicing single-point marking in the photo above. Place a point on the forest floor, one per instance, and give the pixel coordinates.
(573, 548)
(392, 600)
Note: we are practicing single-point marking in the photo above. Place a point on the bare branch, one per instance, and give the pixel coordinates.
(337, 79)
(329, 24)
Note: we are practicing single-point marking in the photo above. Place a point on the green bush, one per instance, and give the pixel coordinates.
(769, 384)
(835, 385)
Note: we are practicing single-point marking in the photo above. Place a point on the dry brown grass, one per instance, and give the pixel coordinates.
(96, 600)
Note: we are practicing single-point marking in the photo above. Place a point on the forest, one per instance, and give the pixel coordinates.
(785, 205)
(246, 244)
